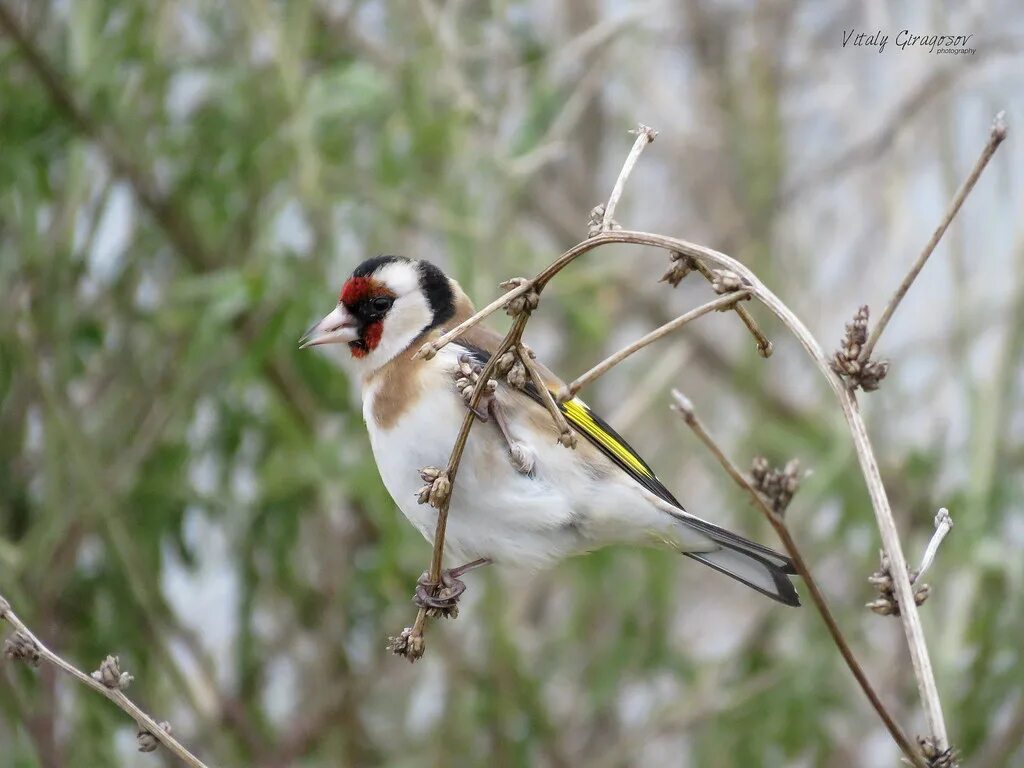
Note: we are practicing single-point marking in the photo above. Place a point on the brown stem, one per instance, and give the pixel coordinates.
(721, 303)
(685, 408)
(996, 136)
(144, 721)
(764, 344)
(644, 136)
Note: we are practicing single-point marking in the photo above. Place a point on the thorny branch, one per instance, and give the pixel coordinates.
(108, 680)
(773, 514)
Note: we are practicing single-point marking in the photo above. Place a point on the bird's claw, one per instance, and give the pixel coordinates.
(439, 598)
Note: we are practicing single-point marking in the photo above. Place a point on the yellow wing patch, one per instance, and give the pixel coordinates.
(579, 415)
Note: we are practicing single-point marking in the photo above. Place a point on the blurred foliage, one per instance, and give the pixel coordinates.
(181, 486)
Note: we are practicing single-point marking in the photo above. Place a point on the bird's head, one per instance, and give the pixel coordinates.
(383, 307)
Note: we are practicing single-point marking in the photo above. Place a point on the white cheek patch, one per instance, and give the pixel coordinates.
(408, 316)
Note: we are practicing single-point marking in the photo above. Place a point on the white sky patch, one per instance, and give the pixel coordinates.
(113, 235)
(290, 230)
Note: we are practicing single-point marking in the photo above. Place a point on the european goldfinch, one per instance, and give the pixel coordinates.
(520, 497)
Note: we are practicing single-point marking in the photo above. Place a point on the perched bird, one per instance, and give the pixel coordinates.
(520, 497)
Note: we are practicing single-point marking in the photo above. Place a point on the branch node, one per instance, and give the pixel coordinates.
(21, 647)
(110, 675)
(847, 362)
(726, 281)
(147, 741)
(595, 221)
(427, 352)
(887, 603)
(437, 489)
(524, 302)
(680, 265)
(777, 485)
(937, 757)
(409, 644)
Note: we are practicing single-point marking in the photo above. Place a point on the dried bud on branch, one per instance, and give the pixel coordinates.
(938, 758)
(110, 674)
(846, 362)
(776, 485)
(595, 222)
(504, 363)
(409, 644)
(147, 741)
(21, 647)
(726, 281)
(680, 265)
(437, 489)
(887, 604)
(525, 302)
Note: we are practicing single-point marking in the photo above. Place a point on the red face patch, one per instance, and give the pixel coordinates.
(357, 289)
(369, 341)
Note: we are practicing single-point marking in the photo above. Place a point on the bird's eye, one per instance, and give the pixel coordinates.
(381, 304)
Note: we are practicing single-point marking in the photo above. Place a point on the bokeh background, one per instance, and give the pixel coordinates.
(185, 185)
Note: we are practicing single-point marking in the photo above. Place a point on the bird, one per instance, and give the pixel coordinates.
(521, 498)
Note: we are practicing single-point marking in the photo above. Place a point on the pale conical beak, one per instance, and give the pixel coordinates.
(339, 327)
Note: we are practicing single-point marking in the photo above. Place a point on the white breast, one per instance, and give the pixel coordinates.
(495, 512)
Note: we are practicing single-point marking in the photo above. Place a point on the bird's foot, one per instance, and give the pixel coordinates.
(467, 377)
(522, 456)
(441, 598)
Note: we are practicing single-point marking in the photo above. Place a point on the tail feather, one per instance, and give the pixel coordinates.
(750, 563)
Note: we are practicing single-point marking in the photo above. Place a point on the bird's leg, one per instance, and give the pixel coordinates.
(487, 408)
(467, 376)
(442, 598)
(522, 457)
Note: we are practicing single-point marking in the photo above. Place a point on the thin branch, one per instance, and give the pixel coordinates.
(145, 723)
(685, 409)
(721, 303)
(644, 136)
(431, 348)
(565, 434)
(996, 136)
(943, 525)
(410, 643)
(764, 344)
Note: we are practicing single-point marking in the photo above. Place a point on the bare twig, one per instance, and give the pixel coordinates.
(108, 681)
(943, 525)
(685, 408)
(431, 348)
(644, 136)
(764, 344)
(565, 434)
(721, 303)
(996, 136)
(410, 642)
